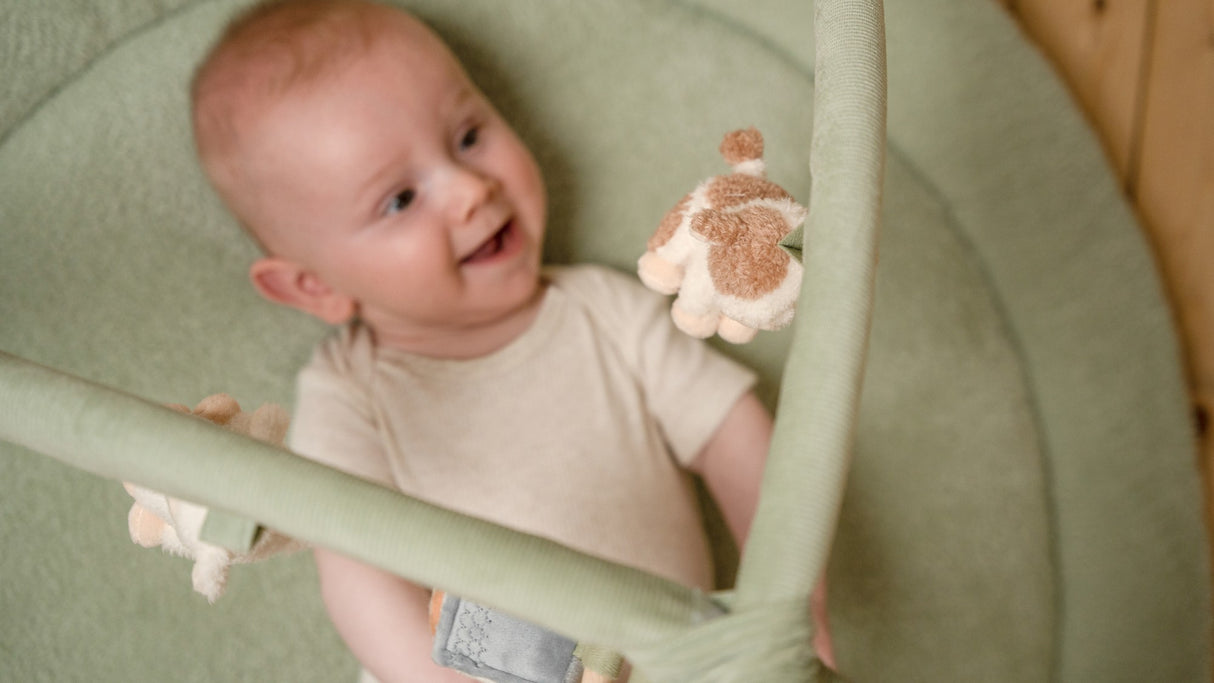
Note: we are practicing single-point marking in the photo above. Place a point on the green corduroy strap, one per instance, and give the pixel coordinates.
(233, 532)
(759, 643)
(600, 660)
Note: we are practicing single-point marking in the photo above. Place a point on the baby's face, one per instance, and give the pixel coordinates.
(398, 184)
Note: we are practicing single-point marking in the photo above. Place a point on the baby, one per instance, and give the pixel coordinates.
(392, 200)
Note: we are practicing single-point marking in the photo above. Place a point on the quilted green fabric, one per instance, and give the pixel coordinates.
(1022, 503)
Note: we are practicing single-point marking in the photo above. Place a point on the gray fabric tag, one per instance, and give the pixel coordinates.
(489, 644)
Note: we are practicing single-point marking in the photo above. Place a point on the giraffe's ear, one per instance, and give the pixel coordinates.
(719, 227)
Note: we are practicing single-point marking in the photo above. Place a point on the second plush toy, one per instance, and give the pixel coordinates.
(175, 525)
(719, 250)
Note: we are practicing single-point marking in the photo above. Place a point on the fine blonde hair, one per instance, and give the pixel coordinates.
(271, 49)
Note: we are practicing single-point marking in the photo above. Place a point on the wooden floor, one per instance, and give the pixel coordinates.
(1143, 70)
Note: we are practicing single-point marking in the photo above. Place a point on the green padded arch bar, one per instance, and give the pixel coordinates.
(119, 436)
(804, 481)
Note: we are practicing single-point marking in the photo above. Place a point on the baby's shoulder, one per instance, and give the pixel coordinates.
(623, 310)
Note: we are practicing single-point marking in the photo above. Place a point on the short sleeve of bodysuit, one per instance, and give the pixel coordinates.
(334, 421)
(689, 387)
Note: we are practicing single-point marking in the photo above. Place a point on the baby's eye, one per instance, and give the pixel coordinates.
(400, 202)
(470, 138)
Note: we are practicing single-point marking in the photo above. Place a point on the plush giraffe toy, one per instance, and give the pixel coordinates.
(718, 249)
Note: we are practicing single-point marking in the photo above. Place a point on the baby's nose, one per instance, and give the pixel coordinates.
(468, 190)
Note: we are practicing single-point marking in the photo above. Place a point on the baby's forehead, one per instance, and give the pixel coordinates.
(267, 70)
(287, 43)
(260, 65)
(312, 54)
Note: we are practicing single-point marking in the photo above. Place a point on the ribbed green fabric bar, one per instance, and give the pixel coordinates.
(119, 436)
(803, 485)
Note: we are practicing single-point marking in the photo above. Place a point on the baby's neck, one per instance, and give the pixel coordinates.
(462, 342)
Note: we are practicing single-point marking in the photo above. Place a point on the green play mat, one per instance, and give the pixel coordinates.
(1022, 500)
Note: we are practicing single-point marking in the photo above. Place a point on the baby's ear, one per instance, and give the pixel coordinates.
(287, 283)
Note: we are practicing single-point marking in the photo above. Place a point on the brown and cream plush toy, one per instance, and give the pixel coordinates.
(719, 250)
(175, 525)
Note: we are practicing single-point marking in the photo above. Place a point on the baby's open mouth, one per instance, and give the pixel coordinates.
(491, 247)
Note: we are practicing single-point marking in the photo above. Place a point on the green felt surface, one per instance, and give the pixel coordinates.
(1023, 503)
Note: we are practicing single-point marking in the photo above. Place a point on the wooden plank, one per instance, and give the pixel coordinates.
(1098, 47)
(1175, 183)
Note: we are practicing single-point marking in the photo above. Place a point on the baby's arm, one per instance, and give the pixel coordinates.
(382, 618)
(731, 465)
